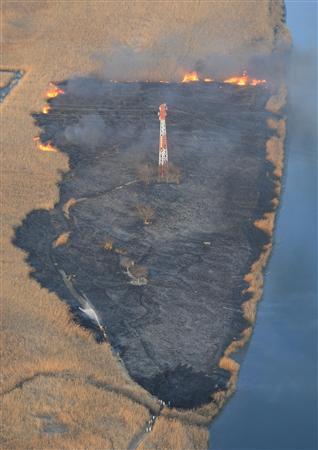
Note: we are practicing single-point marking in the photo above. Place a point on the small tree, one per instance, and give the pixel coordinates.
(146, 213)
(108, 245)
(126, 263)
(139, 273)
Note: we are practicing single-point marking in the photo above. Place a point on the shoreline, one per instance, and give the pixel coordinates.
(204, 415)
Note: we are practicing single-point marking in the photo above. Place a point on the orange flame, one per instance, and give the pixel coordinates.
(244, 80)
(46, 109)
(44, 147)
(54, 91)
(189, 77)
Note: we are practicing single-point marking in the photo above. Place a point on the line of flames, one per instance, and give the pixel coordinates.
(48, 147)
(242, 80)
(54, 91)
(190, 77)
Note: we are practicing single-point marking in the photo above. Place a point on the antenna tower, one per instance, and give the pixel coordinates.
(163, 146)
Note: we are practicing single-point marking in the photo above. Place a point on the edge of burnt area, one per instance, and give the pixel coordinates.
(52, 278)
(204, 414)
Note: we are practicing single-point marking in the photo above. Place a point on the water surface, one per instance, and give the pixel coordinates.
(275, 406)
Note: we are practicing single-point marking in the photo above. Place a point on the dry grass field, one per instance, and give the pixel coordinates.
(60, 389)
(170, 434)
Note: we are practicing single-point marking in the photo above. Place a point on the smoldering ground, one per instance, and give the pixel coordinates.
(90, 131)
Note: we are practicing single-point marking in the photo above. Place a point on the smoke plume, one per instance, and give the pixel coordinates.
(90, 131)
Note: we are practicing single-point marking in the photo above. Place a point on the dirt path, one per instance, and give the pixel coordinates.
(138, 438)
(142, 434)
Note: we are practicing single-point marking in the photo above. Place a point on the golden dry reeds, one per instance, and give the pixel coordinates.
(37, 330)
(276, 102)
(169, 434)
(275, 154)
(68, 205)
(108, 245)
(239, 343)
(60, 410)
(229, 364)
(266, 223)
(272, 123)
(5, 78)
(62, 239)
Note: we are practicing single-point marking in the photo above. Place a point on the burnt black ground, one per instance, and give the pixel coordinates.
(171, 332)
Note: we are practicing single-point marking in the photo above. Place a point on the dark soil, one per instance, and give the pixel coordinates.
(172, 331)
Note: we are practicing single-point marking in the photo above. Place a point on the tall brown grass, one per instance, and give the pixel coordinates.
(108, 245)
(5, 78)
(229, 364)
(171, 434)
(277, 102)
(62, 239)
(37, 330)
(68, 205)
(266, 223)
(75, 406)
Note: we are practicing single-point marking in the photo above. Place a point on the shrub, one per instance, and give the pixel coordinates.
(108, 245)
(146, 213)
(146, 173)
(139, 271)
(126, 263)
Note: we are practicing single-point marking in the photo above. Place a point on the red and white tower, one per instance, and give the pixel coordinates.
(163, 146)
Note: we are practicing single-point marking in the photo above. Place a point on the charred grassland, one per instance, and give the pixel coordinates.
(191, 241)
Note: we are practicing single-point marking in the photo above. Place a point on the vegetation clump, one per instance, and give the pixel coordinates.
(146, 173)
(137, 273)
(150, 174)
(146, 213)
(62, 239)
(108, 245)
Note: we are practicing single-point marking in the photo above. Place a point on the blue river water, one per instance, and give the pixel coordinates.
(275, 405)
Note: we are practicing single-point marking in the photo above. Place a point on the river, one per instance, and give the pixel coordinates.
(275, 405)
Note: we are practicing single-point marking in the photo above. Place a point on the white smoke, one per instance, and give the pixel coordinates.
(90, 131)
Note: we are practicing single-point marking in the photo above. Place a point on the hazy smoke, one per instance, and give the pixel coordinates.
(127, 64)
(302, 88)
(91, 131)
(80, 86)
